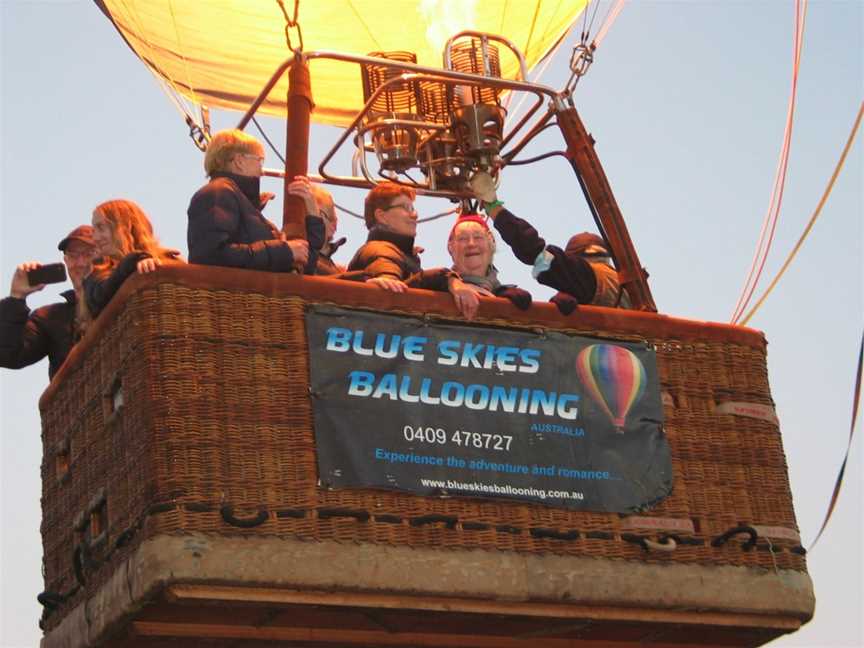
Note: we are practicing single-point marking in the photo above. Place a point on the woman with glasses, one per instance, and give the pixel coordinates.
(388, 257)
(226, 226)
(124, 238)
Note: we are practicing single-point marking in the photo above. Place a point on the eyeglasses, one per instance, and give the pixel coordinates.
(408, 207)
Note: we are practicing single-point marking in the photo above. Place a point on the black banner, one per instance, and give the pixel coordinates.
(438, 409)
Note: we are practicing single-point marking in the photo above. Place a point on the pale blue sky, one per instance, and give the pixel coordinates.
(687, 103)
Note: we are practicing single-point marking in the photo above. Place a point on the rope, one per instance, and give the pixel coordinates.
(189, 83)
(607, 23)
(196, 133)
(269, 143)
(368, 31)
(813, 218)
(856, 395)
(769, 224)
(455, 210)
(583, 53)
(542, 62)
(549, 57)
(585, 20)
(611, 15)
(533, 25)
(587, 31)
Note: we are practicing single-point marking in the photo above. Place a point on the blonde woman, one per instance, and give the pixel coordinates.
(226, 226)
(124, 238)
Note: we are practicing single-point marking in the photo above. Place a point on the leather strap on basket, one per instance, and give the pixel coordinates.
(227, 512)
(722, 539)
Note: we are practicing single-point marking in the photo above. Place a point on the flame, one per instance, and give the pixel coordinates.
(445, 18)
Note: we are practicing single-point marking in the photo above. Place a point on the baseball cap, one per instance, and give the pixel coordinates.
(83, 233)
(581, 242)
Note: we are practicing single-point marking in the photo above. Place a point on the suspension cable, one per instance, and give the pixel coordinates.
(769, 224)
(583, 53)
(813, 218)
(269, 142)
(537, 77)
(585, 19)
(606, 25)
(449, 212)
(347, 211)
(587, 31)
(199, 135)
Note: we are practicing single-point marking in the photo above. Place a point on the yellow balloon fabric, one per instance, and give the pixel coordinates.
(220, 53)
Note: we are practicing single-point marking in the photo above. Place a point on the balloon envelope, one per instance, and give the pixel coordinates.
(614, 378)
(220, 53)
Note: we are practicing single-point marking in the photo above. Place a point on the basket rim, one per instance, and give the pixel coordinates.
(427, 303)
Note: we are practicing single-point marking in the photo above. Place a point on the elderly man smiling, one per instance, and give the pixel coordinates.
(471, 246)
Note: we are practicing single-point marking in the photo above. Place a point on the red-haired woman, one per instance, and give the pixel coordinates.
(124, 237)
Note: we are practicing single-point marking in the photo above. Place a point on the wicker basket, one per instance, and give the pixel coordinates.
(186, 409)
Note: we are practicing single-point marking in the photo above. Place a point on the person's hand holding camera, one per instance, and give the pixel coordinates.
(21, 284)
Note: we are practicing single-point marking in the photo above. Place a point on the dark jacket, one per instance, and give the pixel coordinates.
(386, 254)
(567, 273)
(226, 228)
(26, 338)
(325, 263)
(521, 298)
(101, 284)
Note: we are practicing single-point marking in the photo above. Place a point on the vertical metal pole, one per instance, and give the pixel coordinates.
(296, 144)
(583, 158)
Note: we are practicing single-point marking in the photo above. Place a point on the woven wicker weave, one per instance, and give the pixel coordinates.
(213, 371)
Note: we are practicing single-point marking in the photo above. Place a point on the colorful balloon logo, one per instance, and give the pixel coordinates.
(614, 378)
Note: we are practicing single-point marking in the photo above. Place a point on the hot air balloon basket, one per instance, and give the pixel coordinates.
(186, 409)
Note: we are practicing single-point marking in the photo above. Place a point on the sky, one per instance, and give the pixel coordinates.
(686, 101)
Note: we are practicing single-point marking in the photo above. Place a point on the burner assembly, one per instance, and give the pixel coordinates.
(432, 129)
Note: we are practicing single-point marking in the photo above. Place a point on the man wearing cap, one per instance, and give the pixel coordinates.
(582, 273)
(25, 337)
(471, 245)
